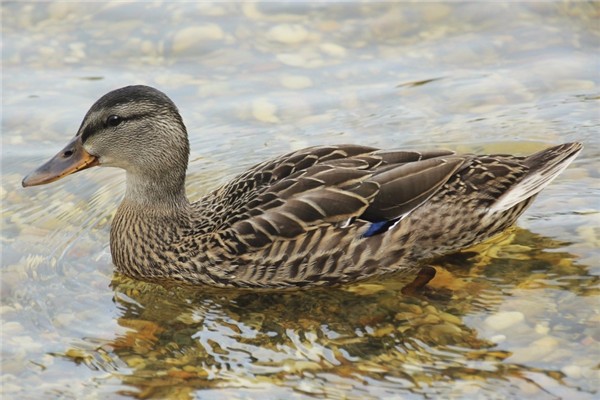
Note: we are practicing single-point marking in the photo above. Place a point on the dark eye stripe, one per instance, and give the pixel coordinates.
(87, 132)
(92, 129)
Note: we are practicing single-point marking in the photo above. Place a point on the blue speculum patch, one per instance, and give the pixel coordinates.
(379, 227)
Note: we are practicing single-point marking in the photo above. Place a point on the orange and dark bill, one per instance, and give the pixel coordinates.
(69, 160)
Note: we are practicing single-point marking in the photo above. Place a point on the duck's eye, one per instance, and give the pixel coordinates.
(113, 120)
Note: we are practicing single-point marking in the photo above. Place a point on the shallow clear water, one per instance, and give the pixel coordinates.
(520, 314)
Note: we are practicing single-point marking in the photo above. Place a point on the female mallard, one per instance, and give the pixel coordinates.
(319, 216)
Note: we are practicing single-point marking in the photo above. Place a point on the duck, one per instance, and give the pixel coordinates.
(320, 216)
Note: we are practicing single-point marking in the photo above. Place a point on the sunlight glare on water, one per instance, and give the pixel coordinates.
(515, 317)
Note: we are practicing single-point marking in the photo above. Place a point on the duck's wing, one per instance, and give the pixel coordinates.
(334, 185)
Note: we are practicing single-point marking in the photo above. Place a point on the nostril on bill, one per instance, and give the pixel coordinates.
(68, 153)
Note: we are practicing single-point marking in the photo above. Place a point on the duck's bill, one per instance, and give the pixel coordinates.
(69, 160)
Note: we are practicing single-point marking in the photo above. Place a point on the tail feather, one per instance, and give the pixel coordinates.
(544, 166)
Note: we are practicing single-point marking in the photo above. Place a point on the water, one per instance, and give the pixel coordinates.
(518, 317)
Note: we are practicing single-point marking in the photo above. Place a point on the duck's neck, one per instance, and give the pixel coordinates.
(166, 194)
(148, 226)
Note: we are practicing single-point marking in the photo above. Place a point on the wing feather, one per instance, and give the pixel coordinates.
(332, 185)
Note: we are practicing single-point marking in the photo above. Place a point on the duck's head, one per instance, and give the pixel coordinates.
(136, 128)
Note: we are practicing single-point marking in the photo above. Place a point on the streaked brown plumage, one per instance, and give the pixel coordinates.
(319, 216)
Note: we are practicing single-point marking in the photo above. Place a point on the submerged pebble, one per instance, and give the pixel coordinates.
(264, 110)
(288, 33)
(572, 371)
(189, 37)
(333, 49)
(535, 351)
(503, 320)
(296, 82)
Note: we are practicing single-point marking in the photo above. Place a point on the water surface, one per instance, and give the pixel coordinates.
(517, 317)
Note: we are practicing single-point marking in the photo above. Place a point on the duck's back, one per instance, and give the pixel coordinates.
(322, 207)
(485, 197)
